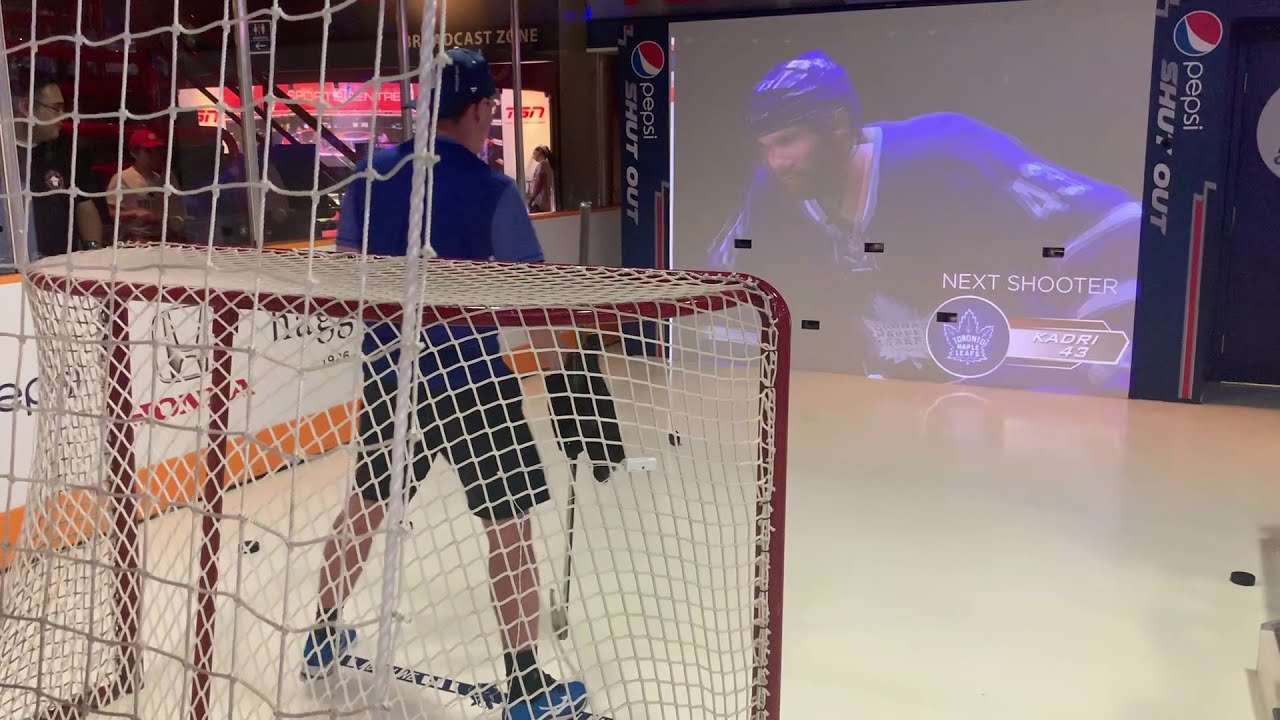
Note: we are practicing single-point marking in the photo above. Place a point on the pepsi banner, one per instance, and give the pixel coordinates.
(644, 92)
(1189, 139)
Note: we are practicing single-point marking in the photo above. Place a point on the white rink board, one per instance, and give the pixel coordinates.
(300, 367)
(19, 386)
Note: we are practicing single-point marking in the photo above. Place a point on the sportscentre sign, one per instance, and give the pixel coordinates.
(1189, 141)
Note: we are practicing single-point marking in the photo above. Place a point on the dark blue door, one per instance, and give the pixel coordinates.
(1248, 325)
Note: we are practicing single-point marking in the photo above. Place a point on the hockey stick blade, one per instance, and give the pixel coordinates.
(483, 696)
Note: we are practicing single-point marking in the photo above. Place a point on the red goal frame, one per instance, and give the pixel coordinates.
(226, 306)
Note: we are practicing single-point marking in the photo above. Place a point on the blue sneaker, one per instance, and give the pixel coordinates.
(325, 646)
(558, 702)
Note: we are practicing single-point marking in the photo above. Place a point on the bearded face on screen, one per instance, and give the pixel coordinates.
(803, 114)
(809, 159)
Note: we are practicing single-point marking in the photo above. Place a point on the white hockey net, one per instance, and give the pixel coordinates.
(210, 393)
(197, 430)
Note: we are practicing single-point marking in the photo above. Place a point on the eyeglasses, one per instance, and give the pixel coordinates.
(58, 108)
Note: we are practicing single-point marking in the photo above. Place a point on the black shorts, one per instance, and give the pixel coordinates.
(480, 428)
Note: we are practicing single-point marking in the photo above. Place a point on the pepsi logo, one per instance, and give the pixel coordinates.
(1198, 34)
(647, 59)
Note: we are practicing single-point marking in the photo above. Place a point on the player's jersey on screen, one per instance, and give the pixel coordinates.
(961, 209)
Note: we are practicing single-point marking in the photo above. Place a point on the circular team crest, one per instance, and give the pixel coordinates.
(975, 344)
(54, 180)
(1269, 134)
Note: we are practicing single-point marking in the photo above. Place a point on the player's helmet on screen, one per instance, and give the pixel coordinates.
(809, 87)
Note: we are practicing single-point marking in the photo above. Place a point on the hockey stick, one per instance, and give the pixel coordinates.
(583, 379)
(560, 603)
(486, 696)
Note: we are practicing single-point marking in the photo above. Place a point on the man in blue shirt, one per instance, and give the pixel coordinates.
(472, 401)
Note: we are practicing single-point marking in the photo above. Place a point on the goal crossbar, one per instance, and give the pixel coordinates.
(455, 291)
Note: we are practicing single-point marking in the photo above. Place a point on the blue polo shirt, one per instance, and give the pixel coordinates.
(476, 214)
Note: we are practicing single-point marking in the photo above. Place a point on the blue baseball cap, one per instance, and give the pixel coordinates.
(465, 80)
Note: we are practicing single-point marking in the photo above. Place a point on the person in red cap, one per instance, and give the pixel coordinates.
(136, 196)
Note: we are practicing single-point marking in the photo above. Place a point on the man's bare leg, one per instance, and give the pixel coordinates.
(513, 576)
(347, 549)
(344, 557)
(513, 570)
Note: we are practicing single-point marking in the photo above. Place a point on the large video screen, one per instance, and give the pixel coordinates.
(940, 193)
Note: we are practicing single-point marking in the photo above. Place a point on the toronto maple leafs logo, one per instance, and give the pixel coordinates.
(968, 337)
(897, 331)
(967, 341)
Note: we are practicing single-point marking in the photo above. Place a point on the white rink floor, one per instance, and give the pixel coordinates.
(959, 553)
(968, 554)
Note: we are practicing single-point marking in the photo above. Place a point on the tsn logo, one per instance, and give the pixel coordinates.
(178, 405)
(533, 112)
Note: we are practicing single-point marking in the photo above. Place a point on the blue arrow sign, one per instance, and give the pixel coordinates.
(260, 37)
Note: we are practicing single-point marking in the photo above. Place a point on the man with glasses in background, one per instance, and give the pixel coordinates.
(64, 218)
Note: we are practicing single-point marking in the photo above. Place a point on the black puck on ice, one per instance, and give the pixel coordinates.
(249, 547)
(1240, 577)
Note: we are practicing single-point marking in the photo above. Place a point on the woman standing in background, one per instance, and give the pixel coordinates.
(541, 195)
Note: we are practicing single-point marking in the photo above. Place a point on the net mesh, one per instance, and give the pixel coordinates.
(670, 556)
(582, 461)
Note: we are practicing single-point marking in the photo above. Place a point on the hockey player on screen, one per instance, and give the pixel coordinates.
(943, 192)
